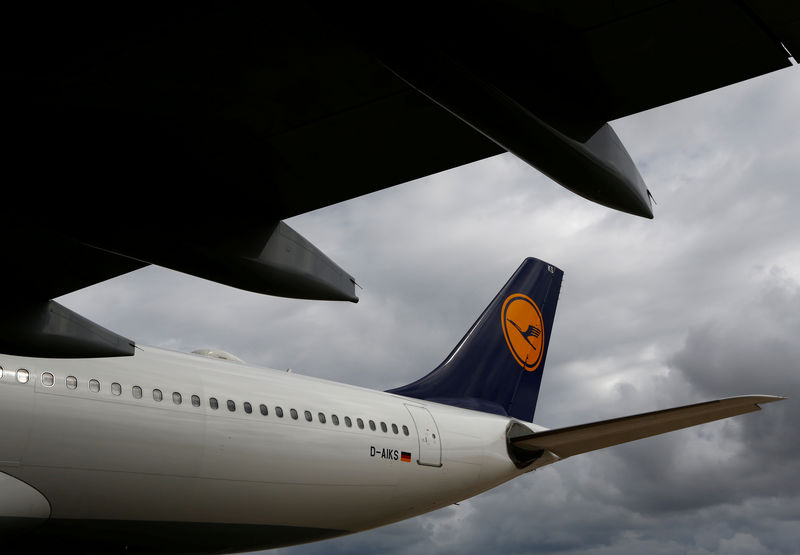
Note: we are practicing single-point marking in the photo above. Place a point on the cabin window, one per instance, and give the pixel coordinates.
(116, 389)
(248, 408)
(72, 382)
(137, 392)
(372, 425)
(1, 372)
(384, 429)
(212, 402)
(348, 422)
(263, 409)
(195, 401)
(321, 417)
(157, 395)
(47, 379)
(231, 405)
(23, 375)
(405, 429)
(279, 412)
(94, 386)
(308, 416)
(394, 428)
(293, 413)
(335, 420)
(176, 398)
(360, 423)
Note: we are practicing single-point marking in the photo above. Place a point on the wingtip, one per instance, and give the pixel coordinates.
(769, 398)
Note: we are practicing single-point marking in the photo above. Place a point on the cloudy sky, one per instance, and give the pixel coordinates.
(700, 303)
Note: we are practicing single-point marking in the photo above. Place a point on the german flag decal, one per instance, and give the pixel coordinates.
(405, 456)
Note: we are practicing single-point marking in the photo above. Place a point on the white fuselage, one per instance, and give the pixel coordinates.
(97, 452)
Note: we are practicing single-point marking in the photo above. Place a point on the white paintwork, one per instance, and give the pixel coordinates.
(216, 353)
(101, 456)
(16, 405)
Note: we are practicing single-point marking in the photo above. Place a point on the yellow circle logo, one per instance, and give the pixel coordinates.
(523, 329)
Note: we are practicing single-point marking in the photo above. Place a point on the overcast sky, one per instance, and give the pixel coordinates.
(700, 303)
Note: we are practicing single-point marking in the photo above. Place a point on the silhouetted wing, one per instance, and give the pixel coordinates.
(182, 136)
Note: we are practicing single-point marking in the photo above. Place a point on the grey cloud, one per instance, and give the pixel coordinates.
(699, 303)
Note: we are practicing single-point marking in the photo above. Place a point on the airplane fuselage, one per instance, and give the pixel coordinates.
(132, 447)
(164, 452)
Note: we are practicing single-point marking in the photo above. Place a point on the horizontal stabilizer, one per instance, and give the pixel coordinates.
(574, 440)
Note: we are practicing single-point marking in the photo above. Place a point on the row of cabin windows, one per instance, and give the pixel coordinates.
(22, 375)
(71, 382)
(295, 415)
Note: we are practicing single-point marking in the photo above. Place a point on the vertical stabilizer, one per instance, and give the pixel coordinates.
(497, 366)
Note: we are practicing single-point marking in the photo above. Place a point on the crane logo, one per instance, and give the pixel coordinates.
(523, 329)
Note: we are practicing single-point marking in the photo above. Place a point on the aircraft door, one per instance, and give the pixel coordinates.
(430, 446)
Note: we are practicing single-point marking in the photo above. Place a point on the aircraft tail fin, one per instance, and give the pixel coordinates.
(497, 366)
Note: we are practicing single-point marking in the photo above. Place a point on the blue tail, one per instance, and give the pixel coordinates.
(497, 366)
